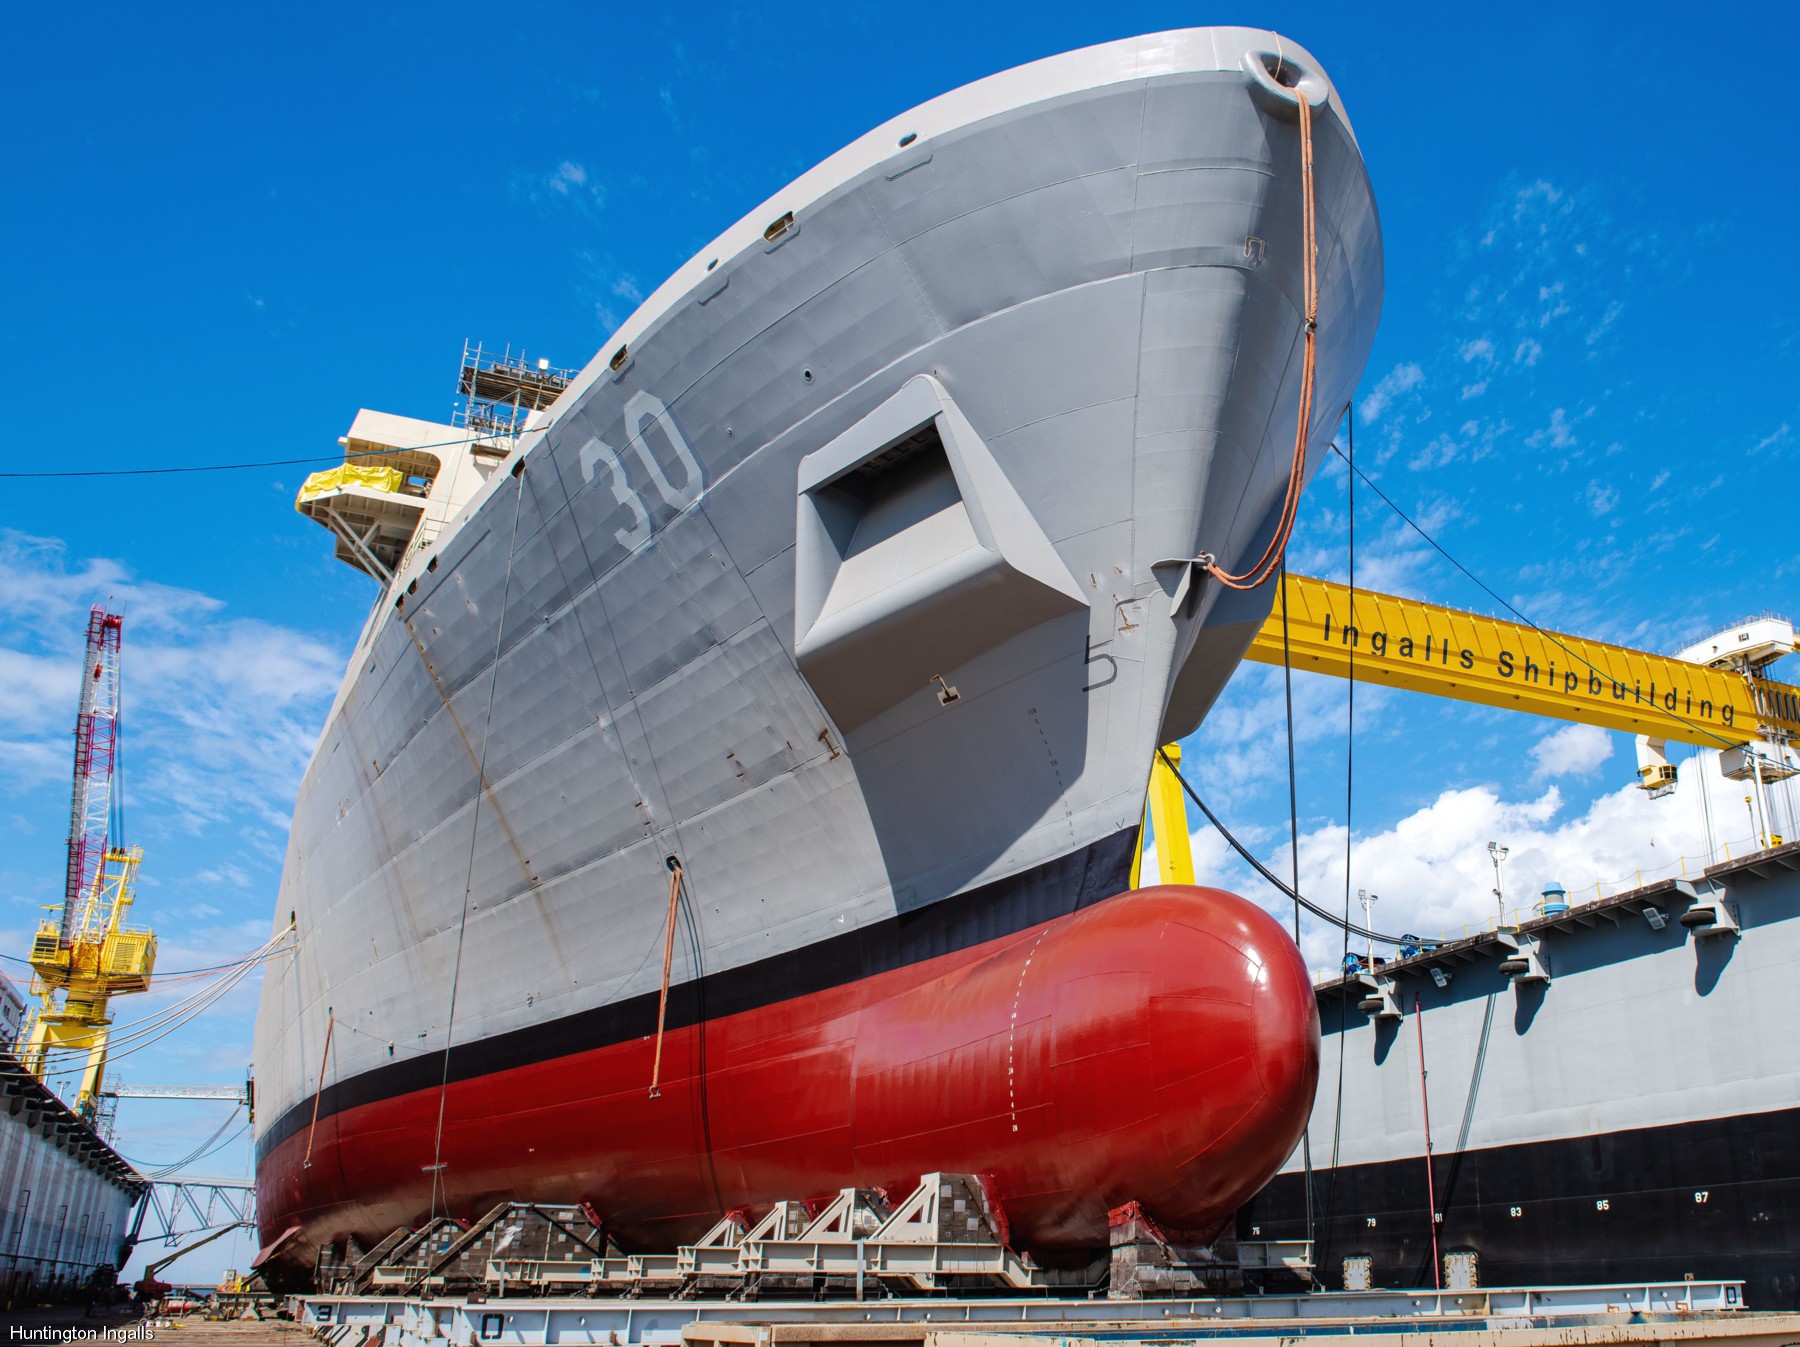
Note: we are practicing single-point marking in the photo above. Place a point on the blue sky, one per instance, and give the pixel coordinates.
(228, 230)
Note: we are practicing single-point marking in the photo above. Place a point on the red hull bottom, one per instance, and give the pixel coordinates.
(1161, 1046)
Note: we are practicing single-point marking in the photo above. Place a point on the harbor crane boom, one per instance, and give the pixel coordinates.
(85, 955)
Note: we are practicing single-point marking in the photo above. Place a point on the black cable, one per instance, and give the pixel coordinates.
(168, 1166)
(697, 989)
(1468, 1117)
(1324, 914)
(1349, 722)
(1287, 685)
(1287, 688)
(238, 467)
(118, 773)
(1337, 1122)
(1550, 636)
(481, 791)
(160, 974)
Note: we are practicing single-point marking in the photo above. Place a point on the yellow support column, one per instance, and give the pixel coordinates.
(1165, 813)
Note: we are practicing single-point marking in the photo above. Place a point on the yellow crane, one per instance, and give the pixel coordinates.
(1426, 647)
(1712, 695)
(85, 954)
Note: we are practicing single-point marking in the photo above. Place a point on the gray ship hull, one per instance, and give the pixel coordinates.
(715, 612)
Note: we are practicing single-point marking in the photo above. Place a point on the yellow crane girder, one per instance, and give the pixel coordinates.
(1425, 647)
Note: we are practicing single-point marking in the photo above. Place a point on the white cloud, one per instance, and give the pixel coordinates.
(1528, 199)
(1558, 434)
(1607, 319)
(1574, 750)
(1481, 348)
(1527, 353)
(223, 711)
(1432, 870)
(1401, 379)
(570, 185)
(1555, 306)
(1439, 453)
(34, 689)
(1601, 499)
(44, 595)
(1777, 436)
(31, 763)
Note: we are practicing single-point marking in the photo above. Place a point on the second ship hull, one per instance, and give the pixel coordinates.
(857, 579)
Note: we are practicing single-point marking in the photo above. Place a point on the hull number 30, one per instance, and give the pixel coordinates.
(645, 415)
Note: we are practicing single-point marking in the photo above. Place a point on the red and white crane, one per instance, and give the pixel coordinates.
(87, 955)
(96, 752)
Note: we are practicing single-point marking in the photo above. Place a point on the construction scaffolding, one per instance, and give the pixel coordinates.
(497, 392)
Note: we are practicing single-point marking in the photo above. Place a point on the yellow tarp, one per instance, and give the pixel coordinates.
(350, 474)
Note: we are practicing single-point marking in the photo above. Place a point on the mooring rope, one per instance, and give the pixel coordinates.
(319, 1092)
(1290, 507)
(662, 1005)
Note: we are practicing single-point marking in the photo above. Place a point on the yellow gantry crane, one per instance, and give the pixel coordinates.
(1712, 695)
(1707, 696)
(85, 955)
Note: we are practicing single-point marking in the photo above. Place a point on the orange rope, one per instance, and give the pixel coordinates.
(662, 1008)
(324, 1057)
(1290, 509)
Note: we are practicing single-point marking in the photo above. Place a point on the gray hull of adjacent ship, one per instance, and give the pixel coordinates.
(66, 1197)
(1634, 1117)
(842, 680)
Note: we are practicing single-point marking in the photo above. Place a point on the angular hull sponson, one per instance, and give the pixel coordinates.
(851, 577)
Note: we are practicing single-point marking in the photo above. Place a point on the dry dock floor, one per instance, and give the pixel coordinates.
(1742, 1329)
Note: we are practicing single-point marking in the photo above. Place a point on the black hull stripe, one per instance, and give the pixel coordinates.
(990, 912)
(1719, 1198)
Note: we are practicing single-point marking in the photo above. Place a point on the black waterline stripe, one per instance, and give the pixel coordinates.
(990, 912)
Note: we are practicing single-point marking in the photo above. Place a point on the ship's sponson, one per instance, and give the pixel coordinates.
(855, 576)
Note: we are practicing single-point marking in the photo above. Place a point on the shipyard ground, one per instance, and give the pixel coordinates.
(1694, 1312)
(1737, 1330)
